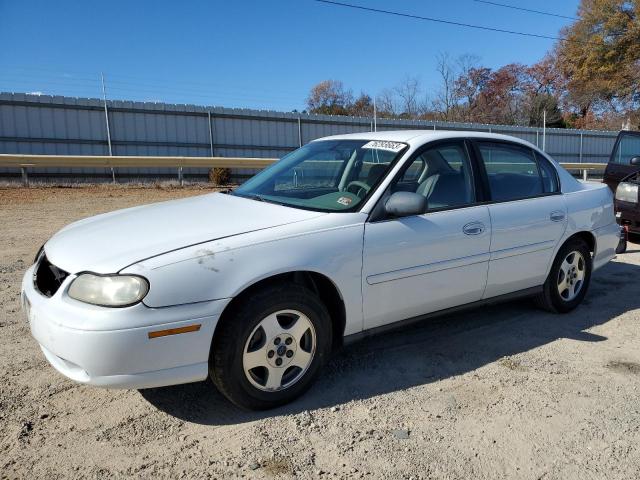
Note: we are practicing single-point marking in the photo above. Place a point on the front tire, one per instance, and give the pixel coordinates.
(568, 280)
(269, 349)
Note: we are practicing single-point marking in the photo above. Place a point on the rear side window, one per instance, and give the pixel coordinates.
(512, 170)
(627, 148)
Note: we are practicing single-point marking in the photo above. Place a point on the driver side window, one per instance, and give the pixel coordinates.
(442, 174)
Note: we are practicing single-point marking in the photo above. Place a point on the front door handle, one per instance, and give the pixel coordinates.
(557, 216)
(473, 228)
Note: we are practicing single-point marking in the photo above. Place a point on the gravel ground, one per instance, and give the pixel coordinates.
(501, 392)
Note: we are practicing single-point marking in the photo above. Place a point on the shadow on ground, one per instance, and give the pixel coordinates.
(430, 351)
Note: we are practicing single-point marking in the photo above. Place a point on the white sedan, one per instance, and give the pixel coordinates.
(346, 236)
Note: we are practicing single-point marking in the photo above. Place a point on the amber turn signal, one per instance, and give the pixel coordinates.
(174, 331)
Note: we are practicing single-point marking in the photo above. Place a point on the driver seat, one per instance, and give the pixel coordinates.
(375, 172)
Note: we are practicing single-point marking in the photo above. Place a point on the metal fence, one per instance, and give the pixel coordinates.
(55, 125)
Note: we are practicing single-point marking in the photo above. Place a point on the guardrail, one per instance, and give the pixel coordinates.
(584, 168)
(24, 162)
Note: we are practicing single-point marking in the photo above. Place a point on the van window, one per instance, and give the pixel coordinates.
(627, 148)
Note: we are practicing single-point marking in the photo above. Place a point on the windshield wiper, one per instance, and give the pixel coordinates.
(260, 198)
(250, 196)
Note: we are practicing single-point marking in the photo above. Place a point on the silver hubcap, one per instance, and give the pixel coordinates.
(279, 350)
(571, 276)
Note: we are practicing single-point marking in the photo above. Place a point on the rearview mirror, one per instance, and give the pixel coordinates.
(635, 161)
(403, 204)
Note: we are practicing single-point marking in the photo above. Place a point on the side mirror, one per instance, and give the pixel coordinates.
(635, 161)
(403, 204)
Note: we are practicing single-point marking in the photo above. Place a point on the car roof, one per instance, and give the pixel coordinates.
(420, 137)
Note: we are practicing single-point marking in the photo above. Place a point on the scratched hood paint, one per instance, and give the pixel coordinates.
(110, 242)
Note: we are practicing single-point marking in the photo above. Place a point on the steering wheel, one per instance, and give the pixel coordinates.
(356, 187)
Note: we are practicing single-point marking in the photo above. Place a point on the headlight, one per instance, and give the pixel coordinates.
(108, 290)
(627, 192)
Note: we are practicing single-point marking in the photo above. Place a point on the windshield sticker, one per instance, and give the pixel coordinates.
(382, 145)
(346, 201)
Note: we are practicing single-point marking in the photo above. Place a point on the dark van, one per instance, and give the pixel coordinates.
(623, 166)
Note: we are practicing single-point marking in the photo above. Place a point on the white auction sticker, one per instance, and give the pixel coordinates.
(383, 145)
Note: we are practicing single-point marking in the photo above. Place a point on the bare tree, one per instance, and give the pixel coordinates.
(452, 91)
(446, 97)
(408, 92)
(386, 104)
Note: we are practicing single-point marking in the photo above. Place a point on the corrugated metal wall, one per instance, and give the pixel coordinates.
(76, 126)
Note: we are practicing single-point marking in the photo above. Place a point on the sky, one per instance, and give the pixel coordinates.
(263, 54)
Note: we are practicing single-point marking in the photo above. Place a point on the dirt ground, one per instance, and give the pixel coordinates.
(502, 392)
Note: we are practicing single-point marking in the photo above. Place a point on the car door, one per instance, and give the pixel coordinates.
(528, 215)
(627, 146)
(423, 263)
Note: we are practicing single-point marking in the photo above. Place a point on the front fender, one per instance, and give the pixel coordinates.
(224, 268)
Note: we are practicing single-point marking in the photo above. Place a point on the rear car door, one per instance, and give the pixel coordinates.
(626, 147)
(528, 215)
(423, 263)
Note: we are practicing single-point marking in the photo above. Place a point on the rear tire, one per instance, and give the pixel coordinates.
(568, 280)
(269, 349)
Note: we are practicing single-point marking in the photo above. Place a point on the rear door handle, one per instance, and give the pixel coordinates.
(557, 216)
(473, 228)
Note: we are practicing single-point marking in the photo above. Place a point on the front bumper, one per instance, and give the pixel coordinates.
(111, 347)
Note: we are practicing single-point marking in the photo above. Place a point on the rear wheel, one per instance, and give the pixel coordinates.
(568, 280)
(270, 348)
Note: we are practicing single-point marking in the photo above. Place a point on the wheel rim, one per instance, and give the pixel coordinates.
(279, 350)
(571, 276)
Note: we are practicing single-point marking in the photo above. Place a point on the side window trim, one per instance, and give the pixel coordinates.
(538, 168)
(476, 142)
(377, 214)
(540, 159)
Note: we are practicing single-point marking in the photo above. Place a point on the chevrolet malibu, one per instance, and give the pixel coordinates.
(346, 236)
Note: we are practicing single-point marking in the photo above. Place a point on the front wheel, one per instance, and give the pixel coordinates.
(269, 349)
(568, 280)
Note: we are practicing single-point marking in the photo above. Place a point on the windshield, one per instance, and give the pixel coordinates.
(327, 175)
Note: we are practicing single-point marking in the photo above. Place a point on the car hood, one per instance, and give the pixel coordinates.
(110, 242)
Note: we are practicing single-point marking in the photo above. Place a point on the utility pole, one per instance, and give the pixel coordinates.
(544, 129)
(106, 118)
(375, 116)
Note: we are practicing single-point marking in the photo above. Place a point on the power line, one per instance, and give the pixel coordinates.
(448, 22)
(540, 12)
